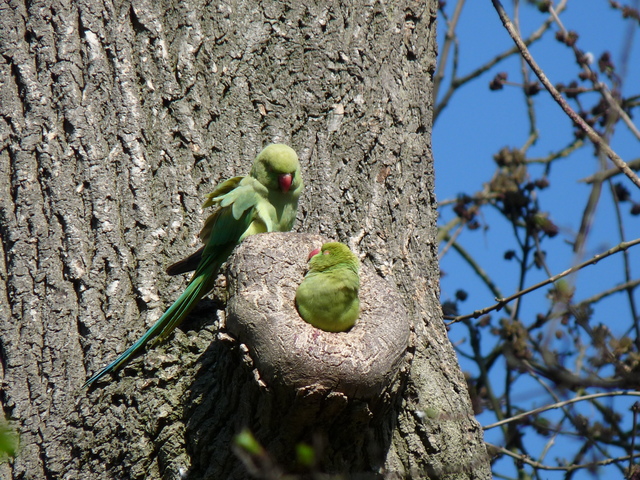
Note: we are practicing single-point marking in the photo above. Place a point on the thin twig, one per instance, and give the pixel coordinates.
(480, 197)
(450, 240)
(575, 144)
(634, 430)
(631, 284)
(618, 393)
(449, 38)
(623, 115)
(606, 174)
(531, 112)
(589, 213)
(504, 301)
(568, 468)
(484, 276)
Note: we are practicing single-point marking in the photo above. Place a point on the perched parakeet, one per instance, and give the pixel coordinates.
(264, 201)
(327, 298)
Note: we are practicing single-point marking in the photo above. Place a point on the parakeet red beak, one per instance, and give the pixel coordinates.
(313, 253)
(285, 181)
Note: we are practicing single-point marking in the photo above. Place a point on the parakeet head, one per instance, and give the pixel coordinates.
(330, 255)
(277, 168)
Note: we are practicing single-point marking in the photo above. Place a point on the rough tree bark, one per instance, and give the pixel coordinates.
(116, 118)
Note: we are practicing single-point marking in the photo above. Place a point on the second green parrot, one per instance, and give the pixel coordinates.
(327, 298)
(266, 200)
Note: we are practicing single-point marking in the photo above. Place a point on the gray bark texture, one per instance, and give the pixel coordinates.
(116, 118)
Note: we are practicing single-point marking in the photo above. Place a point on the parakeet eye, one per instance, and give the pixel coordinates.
(326, 252)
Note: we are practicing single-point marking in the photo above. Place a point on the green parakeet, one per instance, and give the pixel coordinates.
(264, 201)
(327, 298)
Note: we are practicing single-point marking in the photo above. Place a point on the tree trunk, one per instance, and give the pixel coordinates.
(116, 120)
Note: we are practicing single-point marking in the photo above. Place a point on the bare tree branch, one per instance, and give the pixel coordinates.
(577, 119)
(502, 302)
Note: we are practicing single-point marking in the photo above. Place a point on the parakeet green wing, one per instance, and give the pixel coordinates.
(191, 262)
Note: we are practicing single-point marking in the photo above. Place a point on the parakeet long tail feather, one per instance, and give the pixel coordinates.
(197, 288)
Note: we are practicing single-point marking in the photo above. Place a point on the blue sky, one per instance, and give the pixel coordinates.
(477, 123)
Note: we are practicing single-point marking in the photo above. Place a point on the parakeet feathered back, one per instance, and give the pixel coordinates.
(327, 298)
(266, 200)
